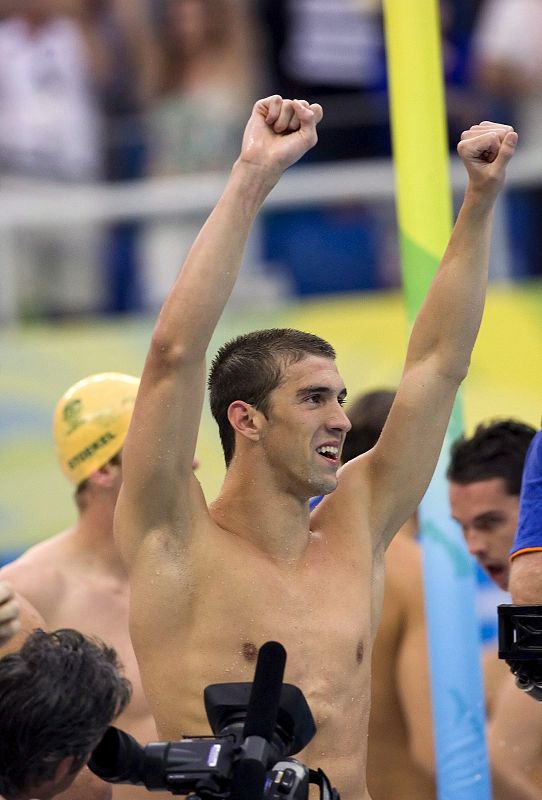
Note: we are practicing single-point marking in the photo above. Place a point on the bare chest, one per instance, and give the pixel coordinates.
(320, 612)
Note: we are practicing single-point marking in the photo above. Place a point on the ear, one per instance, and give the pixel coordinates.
(246, 420)
(63, 769)
(106, 476)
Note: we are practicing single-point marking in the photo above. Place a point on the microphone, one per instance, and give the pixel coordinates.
(263, 706)
(264, 701)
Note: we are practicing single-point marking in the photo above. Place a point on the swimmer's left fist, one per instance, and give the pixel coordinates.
(486, 149)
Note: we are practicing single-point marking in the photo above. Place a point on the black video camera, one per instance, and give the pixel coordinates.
(257, 728)
(520, 645)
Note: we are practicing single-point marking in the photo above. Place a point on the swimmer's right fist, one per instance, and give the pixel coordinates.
(9, 613)
(279, 132)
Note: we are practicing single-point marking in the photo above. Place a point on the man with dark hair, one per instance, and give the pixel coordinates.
(210, 584)
(485, 481)
(485, 477)
(58, 695)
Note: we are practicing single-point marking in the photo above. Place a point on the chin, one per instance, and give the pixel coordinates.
(501, 580)
(325, 486)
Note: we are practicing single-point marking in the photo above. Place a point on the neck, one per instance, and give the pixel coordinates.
(275, 521)
(93, 534)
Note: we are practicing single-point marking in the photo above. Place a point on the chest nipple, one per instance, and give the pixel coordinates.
(250, 652)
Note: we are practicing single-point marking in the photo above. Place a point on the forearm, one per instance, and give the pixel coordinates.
(448, 322)
(278, 133)
(526, 579)
(202, 289)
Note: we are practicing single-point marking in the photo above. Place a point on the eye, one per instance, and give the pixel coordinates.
(315, 399)
(341, 400)
(489, 523)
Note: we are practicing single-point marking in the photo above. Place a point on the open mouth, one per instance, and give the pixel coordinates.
(329, 452)
(496, 573)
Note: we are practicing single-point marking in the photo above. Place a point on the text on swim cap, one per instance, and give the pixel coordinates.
(91, 449)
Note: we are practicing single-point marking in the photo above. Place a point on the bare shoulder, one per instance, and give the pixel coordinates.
(349, 502)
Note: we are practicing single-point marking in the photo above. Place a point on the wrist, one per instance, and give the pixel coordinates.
(257, 177)
(480, 199)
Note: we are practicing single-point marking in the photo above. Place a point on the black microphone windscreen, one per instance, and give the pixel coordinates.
(264, 699)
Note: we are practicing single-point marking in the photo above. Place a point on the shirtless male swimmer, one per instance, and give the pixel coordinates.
(209, 585)
(77, 579)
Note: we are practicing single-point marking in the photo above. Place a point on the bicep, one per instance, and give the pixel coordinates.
(160, 444)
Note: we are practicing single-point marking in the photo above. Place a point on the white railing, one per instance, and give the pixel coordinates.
(47, 204)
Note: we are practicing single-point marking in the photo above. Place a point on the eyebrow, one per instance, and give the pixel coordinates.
(488, 515)
(485, 515)
(320, 390)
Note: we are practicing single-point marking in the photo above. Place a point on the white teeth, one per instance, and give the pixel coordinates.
(333, 451)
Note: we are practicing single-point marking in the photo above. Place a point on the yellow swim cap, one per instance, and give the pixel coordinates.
(91, 421)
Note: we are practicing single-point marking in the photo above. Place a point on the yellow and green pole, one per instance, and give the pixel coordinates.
(424, 211)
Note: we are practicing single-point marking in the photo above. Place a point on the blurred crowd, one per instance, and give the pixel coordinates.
(119, 90)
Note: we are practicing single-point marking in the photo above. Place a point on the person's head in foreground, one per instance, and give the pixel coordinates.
(58, 695)
(279, 391)
(484, 477)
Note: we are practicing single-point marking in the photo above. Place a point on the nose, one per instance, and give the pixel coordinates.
(338, 420)
(475, 542)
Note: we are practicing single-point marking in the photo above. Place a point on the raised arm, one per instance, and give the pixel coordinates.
(159, 491)
(401, 464)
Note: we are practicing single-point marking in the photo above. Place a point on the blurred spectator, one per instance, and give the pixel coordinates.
(507, 64)
(49, 130)
(332, 52)
(49, 120)
(463, 101)
(207, 85)
(127, 61)
(210, 76)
